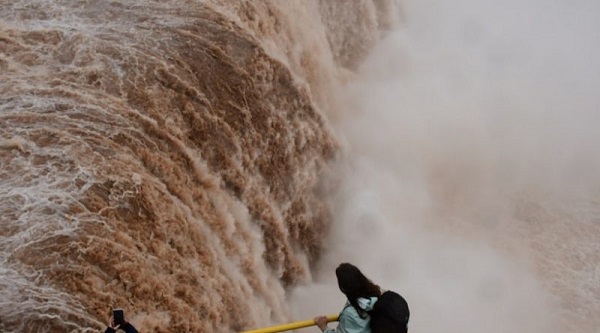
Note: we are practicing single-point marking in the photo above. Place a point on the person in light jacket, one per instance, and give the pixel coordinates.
(361, 295)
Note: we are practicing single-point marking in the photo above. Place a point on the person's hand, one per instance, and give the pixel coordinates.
(321, 322)
(111, 323)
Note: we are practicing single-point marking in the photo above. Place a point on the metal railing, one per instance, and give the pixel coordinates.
(291, 326)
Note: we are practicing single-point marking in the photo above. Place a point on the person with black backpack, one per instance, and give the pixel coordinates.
(361, 295)
(367, 309)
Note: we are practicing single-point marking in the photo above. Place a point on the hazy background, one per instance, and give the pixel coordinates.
(471, 180)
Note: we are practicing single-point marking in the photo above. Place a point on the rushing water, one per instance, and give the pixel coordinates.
(165, 157)
(205, 164)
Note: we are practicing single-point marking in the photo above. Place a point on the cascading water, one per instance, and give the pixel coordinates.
(206, 164)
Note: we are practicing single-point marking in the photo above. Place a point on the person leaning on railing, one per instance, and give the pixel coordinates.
(361, 296)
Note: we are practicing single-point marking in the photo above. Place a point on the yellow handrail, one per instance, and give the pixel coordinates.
(291, 326)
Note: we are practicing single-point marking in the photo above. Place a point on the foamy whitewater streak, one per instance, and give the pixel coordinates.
(472, 184)
(165, 157)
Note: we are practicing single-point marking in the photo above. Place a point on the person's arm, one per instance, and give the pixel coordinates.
(322, 321)
(341, 327)
(111, 327)
(350, 322)
(128, 328)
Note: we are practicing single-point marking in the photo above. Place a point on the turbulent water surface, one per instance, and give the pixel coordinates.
(164, 157)
(187, 160)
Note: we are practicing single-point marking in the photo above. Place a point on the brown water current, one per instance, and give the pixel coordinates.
(206, 164)
(163, 157)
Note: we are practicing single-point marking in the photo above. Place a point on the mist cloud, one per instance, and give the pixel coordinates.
(457, 125)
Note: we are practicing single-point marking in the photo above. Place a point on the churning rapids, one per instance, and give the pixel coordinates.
(203, 164)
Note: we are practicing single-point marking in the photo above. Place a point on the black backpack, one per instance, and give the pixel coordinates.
(390, 314)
